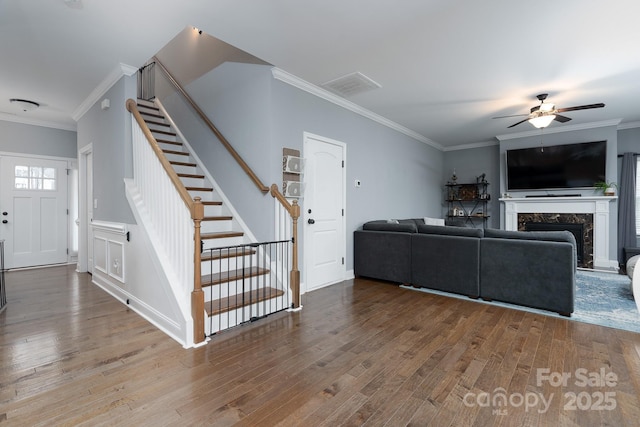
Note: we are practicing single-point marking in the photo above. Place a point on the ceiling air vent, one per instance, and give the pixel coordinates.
(351, 84)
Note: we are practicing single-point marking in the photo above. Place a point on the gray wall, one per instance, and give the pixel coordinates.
(259, 115)
(471, 163)
(37, 140)
(110, 133)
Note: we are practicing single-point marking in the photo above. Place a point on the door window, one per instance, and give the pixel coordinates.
(34, 178)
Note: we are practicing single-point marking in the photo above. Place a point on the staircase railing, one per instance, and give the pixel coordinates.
(248, 287)
(292, 208)
(155, 178)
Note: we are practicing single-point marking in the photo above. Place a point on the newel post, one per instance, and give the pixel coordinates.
(295, 273)
(197, 296)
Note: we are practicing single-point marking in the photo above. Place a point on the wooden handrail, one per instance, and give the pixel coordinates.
(214, 129)
(196, 209)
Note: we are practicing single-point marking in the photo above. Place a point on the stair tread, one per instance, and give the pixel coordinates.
(190, 175)
(153, 122)
(217, 254)
(199, 188)
(221, 235)
(226, 304)
(164, 141)
(217, 218)
(179, 153)
(231, 275)
(148, 114)
(211, 203)
(164, 132)
(176, 163)
(151, 107)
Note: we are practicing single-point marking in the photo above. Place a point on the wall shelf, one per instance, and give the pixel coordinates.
(467, 204)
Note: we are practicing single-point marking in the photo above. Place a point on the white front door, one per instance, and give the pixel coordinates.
(33, 206)
(323, 216)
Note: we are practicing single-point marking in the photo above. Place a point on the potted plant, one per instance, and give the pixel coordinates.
(607, 188)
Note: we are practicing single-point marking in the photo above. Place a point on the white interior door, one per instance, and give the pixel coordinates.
(34, 211)
(324, 200)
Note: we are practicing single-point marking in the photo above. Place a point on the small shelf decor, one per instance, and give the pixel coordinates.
(467, 203)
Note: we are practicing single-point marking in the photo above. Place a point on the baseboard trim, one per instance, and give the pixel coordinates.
(153, 316)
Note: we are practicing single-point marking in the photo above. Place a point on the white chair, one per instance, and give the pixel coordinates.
(635, 278)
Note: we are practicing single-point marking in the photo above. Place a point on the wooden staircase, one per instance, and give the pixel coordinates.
(225, 271)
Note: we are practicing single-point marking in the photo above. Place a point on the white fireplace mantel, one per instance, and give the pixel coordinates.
(596, 205)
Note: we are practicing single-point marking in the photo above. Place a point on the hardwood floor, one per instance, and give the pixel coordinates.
(359, 353)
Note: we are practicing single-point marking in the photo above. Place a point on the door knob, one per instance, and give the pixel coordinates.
(4, 213)
(311, 221)
(4, 221)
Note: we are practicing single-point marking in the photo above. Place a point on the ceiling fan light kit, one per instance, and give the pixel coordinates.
(542, 121)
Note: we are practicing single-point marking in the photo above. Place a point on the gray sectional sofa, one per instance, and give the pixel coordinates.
(535, 269)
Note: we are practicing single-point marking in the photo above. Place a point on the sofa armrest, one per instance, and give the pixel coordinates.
(533, 273)
(384, 255)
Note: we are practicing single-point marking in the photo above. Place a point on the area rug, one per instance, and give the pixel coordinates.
(606, 299)
(603, 299)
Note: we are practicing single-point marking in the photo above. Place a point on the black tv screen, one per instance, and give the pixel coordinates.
(558, 166)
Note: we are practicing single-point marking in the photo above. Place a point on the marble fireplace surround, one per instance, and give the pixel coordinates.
(593, 211)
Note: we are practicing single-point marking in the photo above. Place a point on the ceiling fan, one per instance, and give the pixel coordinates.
(542, 115)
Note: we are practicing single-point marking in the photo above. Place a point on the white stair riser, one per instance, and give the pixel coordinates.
(185, 169)
(153, 127)
(194, 182)
(204, 195)
(220, 243)
(235, 317)
(212, 210)
(158, 135)
(215, 226)
(167, 146)
(235, 288)
(178, 157)
(225, 264)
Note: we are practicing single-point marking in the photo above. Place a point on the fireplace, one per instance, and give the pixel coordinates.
(580, 225)
(592, 211)
(577, 229)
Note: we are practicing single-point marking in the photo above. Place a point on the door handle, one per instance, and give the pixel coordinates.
(311, 221)
(5, 213)
(4, 221)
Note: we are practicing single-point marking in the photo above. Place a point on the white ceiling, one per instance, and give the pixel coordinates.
(446, 68)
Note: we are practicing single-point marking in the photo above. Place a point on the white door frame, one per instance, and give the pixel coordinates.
(85, 228)
(305, 216)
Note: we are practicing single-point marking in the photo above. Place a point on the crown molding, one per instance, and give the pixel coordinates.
(630, 125)
(36, 122)
(472, 145)
(301, 84)
(113, 77)
(566, 128)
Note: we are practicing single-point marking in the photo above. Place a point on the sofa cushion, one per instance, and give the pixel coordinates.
(383, 225)
(450, 231)
(549, 236)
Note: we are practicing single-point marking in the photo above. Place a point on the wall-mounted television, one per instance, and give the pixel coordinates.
(557, 166)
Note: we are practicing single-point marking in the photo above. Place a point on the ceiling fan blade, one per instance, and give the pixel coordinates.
(562, 119)
(516, 124)
(580, 107)
(513, 115)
